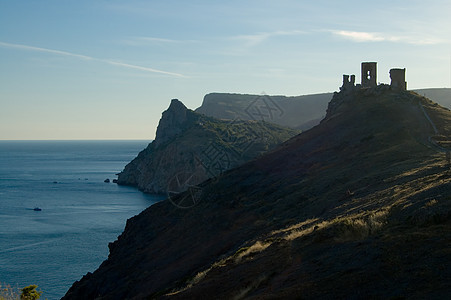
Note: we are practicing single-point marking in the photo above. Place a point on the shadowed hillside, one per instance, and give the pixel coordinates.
(356, 207)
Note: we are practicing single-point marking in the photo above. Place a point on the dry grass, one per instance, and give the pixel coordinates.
(431, 202)
(359, 227)
(303, 231)
(296, 226)
(343, 228)
(255, 248)
(195, 280)
(238, 257)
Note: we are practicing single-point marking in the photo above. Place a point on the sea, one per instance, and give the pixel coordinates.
(79, 212)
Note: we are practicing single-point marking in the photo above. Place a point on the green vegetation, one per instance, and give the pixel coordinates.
(27, 293)
(30, 293)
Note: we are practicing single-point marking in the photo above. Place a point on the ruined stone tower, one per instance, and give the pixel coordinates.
(398, 79)
(369, 74)
(348, 82)
(369, 78)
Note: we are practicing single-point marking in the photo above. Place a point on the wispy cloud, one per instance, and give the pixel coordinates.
(141, 68)
(45, 50)
(155, 39)
(361, 36)
(258, 38)
(148, 40)
(85, 57)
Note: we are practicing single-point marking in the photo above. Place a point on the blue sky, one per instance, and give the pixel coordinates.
(107, 69)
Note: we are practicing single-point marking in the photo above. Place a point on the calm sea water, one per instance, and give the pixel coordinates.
(80, 213)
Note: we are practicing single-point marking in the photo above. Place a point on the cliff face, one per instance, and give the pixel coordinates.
(357, 207)
(173, 122)
(192, 147)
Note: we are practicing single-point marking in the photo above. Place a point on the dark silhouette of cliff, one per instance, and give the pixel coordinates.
(357, 207)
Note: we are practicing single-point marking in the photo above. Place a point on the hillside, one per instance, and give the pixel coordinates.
(357, 207)
(190, 148)
(440, 95)
(300, 112)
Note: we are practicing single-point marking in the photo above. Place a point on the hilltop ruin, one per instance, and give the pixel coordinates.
(369, 78)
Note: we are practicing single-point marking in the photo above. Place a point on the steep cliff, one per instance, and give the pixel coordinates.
(357, 207)
(191, 147)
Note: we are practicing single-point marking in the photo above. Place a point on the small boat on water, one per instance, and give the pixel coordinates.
(37, 209)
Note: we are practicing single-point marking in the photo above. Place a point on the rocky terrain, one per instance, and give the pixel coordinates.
(300, 112)
(357, 207)
(190, 148)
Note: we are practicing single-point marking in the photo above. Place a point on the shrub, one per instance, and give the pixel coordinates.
(30, 293)
(27, 293)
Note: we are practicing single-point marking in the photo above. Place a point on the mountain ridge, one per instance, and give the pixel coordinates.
(299, 112)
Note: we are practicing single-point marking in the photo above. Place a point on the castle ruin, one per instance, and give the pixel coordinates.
(369, 78)
(398, 79)
(348, 83)
(369, 74)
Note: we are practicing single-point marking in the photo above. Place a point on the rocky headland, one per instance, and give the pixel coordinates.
(358, 207)
(190, 147)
